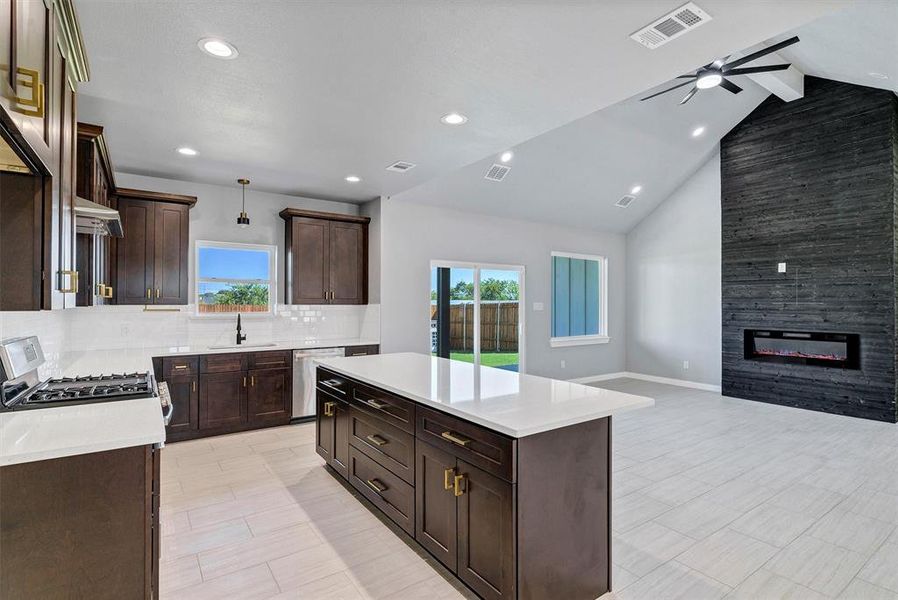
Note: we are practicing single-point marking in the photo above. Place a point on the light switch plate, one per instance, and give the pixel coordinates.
(781, 268)
(537, 306)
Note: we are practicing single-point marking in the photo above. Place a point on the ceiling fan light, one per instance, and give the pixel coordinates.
(708, 80)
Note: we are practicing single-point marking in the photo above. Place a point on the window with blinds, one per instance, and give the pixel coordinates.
(579, 299)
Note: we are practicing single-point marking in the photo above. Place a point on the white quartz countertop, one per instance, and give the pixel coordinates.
(41, 434)
(45, 433)
(510, 403)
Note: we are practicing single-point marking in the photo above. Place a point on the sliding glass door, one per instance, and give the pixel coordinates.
(476, 313)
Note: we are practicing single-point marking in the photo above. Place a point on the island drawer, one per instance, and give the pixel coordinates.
(491, 451)
(385, 490)
(222, 363)
(179, 366)
(386, 444)
(332, 383)
(392, 409)
(275, 359)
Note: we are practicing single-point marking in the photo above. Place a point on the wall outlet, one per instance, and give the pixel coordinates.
(685, 365)
(563, 364)
(125, 330)
(537, 306)
(781, 267)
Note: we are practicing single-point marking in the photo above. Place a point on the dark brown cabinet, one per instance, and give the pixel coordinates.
(151, 258)
(182, 377)
(327, 258)
(95, 182)
(222, 400)
(436, 517)
(269, 394)
(325, 409)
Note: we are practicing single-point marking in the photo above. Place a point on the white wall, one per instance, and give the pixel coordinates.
(214, 217)
(673, 283)
(413, 234)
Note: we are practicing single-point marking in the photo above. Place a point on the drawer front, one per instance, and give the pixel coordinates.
(392, 409)
(388, 445)
(222, 363)
(332, 383)
(270, 360)
(362, 350)
(385, 490)
(179, 366)
(492, 452)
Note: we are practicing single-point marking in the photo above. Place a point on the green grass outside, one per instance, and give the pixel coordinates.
(488, 359)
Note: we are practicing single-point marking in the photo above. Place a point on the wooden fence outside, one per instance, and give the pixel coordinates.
(498, 326)
(232, 308)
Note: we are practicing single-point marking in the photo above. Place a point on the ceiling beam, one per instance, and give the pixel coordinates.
(788, 85)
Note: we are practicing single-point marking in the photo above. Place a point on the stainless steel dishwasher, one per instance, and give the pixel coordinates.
(304, 378)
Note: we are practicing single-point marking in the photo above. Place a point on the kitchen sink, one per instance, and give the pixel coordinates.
(230, 346)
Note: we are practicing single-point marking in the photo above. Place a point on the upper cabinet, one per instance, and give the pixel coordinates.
(151, 258)
(95, 182)
(327, 258)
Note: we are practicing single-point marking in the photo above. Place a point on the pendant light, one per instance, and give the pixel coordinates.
(243, 219)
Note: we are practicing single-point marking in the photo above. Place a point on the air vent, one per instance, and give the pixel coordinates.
(671, 26)
(497, 172)
(625, 201)
(400, 166)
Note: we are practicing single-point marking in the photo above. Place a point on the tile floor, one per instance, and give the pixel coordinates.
(713, 498)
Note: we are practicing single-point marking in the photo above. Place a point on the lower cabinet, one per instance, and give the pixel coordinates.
(222, 400)
(269, 394)
(332, 432)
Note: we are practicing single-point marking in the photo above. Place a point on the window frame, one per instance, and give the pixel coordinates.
(272, 282)
(602, 336)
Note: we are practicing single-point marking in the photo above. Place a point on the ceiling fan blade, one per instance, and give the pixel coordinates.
(689, 96)
(760, 53)
(750, 70)
(667, 90)
(730, 86)
(693, 76)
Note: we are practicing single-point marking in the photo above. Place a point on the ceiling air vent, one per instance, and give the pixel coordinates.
(670, 26)
(497, 172)
(400, 166)
(625, 201)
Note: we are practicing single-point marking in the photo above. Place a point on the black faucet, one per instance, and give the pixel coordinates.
(240, 338)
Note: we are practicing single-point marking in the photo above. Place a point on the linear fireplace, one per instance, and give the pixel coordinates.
(840, 350)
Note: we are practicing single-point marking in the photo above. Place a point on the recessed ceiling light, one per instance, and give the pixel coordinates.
(217, 48)
(353, 178)
(454, 119)
(878, 75)
(708, 80)
(187, 151)
(698, 131)
(636, 189)
(506, 156)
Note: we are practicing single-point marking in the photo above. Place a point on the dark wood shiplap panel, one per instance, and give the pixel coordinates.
(813, 183)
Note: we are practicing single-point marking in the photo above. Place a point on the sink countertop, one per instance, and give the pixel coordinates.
(46, 433)
(504, 401)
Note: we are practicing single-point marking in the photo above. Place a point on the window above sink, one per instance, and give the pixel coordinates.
(235, 278)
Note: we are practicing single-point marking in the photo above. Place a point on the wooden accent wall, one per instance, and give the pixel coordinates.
(813, 183)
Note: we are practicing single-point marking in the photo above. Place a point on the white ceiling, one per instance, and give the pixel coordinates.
(573, 175)
(326, 89)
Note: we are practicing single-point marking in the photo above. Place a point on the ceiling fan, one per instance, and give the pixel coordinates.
(716, 73)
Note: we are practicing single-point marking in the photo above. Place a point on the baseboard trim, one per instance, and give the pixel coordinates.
(708, 387)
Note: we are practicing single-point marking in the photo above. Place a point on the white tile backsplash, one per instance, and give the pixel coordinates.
(112, 327)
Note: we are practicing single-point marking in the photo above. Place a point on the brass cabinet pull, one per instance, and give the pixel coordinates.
(180, 367)
(252, 380)
(375, 404)
(329, 409)
(377, 440)
(458, 484)
(447, 435)
(149, 293)
(244, 381)
(101, 290)
(73, 282)
(107, 291)
(447, 478)
(36, 101)
(376, 485)
(194, 385)
(157, 293)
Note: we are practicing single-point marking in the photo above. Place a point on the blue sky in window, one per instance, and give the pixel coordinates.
(233, 263)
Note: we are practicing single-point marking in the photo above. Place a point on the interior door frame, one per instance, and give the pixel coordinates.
(477, 267)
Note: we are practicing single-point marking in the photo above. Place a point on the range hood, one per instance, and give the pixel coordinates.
(91, 217)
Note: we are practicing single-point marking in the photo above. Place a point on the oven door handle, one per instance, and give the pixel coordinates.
(166, 416)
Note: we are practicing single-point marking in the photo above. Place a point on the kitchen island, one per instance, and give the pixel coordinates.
(502, 477)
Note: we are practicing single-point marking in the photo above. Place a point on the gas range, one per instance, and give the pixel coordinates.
(21, 389)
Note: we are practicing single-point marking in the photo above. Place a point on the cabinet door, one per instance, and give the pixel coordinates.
(348, 268)
(309, 277)
(436, 520)
(170, 253)
(134, 260)
(184, 393)
(486, 543)
(268, 395)
(324, 425)
(340, 457)
(222, 399)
